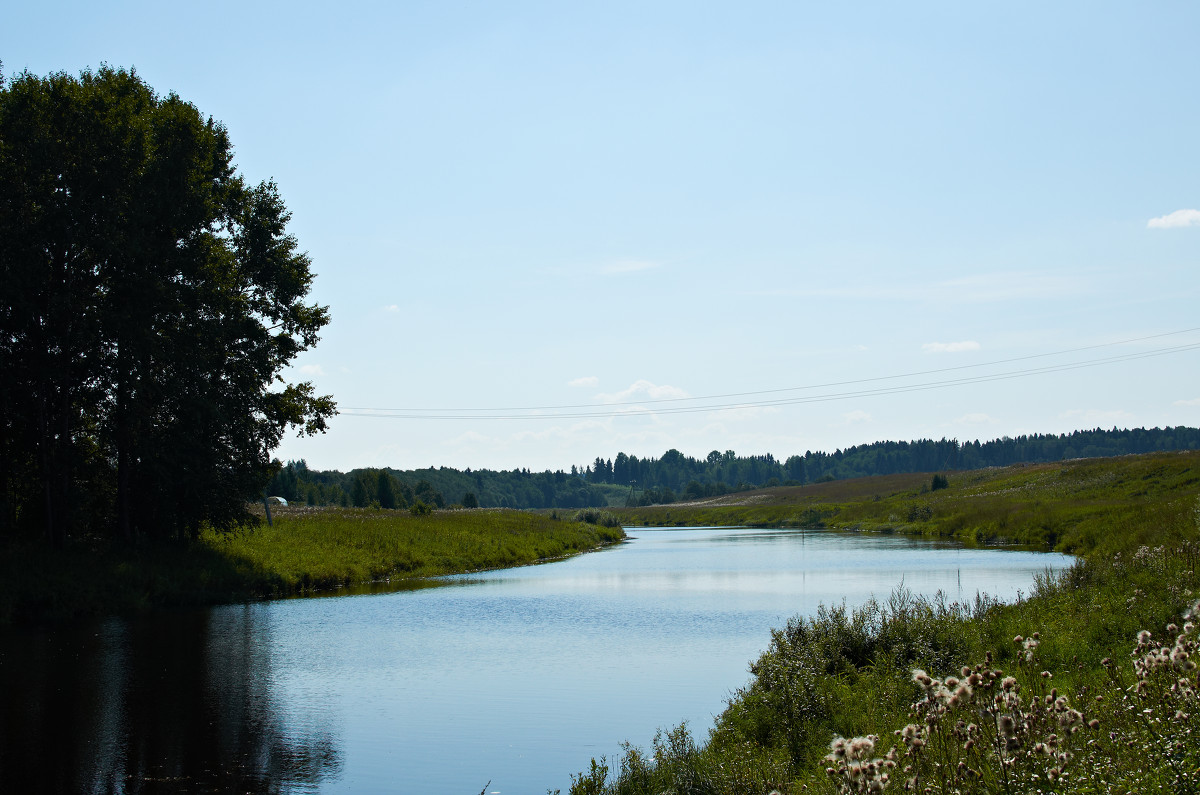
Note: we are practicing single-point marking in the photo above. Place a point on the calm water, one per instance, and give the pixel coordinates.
(516, 677)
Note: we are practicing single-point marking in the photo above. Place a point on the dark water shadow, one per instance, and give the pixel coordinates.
(172, 703)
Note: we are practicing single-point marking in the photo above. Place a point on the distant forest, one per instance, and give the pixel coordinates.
(629, 480)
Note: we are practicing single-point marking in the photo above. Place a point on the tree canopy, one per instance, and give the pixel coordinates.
(627, 479)
(152, 299)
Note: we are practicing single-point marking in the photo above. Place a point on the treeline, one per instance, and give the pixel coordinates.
(887, 458)
(629, 480)
(151, 296)
(437, 488)
(719, 472)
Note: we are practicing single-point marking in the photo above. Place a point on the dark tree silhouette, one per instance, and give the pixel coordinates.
(151, 300)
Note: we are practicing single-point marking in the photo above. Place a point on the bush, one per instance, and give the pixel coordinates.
(596, 516)
(920, 513)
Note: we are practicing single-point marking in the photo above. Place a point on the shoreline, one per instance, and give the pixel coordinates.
(303, 554)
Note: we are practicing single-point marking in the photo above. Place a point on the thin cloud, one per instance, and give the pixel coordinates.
(470, 437)
(950, 347)
(628, 266)
(1097, 417)
(1016, 285)
(856, 417)
(977, 289)
(1192, 402)
(1175, 220)
(976, 418)
(392, 308)
(643, 388)
(312, 369)
(587, 380)
(585, 431)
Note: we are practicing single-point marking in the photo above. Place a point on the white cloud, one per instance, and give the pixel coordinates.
(392, 308)
(470, 437)
(980, 288)
(1192, 402)
(950, 347)
(587, 432)
(627, 266)
(587, 380)
(1099, 418)
(643, 388)
(855, 417)
(746, 412)
(312, 369)
(1179, 218)
(976, 418)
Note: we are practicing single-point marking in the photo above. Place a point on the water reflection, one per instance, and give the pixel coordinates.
(518, 676)
(176, 703)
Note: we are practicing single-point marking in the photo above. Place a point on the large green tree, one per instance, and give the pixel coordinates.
(151, 301)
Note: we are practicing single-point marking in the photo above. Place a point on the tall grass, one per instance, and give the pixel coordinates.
(1088, 684)
(310, 549)
(1075, 506)
(307, 550)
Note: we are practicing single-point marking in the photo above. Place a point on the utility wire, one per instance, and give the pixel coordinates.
(638, 408)
(790, 388)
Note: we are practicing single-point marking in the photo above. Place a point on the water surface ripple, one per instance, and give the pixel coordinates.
(517, 677)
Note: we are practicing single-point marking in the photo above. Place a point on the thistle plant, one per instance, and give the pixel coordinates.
(852, 767)
(1157, 710)
(985, 731)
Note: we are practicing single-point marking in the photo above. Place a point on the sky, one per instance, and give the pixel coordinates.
(548, 232)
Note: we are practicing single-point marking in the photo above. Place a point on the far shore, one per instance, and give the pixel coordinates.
(305, 551)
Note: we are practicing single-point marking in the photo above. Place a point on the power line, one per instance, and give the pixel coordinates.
(639, 408)
(786, 389)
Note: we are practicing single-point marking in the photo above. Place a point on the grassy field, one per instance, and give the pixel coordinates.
(1087, 685)
(1075, 506)
(307, 550)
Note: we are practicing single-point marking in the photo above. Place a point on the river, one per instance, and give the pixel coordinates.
(516, 677)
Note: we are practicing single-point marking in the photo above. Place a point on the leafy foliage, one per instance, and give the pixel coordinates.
(593, 516)
(627, 481)
(1074, 506)
(305, 550)
(1043, 695)
(151, 300)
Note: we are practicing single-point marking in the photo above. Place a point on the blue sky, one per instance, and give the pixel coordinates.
(607, 205)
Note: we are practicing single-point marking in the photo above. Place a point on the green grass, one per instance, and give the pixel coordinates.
(849, 672)
(1075, 506)
(328, 548)
(306, 551)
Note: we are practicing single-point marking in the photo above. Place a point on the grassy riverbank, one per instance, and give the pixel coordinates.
(307, 550)
(1058, 692)
(1075, 506)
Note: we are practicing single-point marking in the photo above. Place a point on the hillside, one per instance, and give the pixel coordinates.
(627, 480)
(1073, 506)
(1086, 685)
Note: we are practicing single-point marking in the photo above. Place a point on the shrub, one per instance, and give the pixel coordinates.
(596, 516)
(920, 513)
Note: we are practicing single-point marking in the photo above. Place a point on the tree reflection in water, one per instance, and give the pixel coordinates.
(180, 702)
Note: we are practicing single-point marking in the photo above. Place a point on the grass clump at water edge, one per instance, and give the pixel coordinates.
(315, 549)
(305, 551)
(1088, 685)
